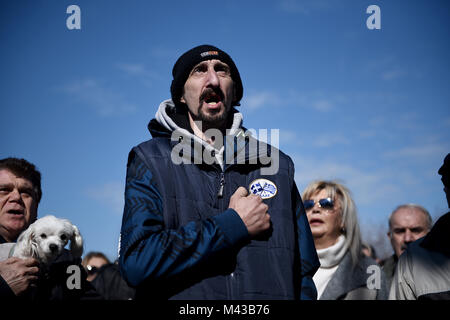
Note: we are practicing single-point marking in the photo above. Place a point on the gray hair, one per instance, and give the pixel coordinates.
(349, 213)
(413, 206)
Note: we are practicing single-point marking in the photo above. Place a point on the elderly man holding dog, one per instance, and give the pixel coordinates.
(210, 211)
(20, 194)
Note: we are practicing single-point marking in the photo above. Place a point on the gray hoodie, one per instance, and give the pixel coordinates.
(162, 116)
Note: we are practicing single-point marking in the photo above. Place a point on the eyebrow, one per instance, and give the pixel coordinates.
(26, 188)
(199, 64)
(414, 229)
(223, 65)
(217, 63)
(196, 66)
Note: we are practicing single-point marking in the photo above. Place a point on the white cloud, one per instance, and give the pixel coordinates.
(393, 74)
(110, 194)
(330, 139)
(289, 137)
(132, 68)
(317, 101)
(261, 99)
(447, 121)
(367, 186)
(424, 151)
(139, 71)
(389, 68)
(322, 105)
(104, 101)
(163, 52)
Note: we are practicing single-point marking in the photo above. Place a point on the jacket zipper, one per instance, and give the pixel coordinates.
(221, 186)
(231, 281)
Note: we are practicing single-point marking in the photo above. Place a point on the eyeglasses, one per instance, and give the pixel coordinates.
(326, 203)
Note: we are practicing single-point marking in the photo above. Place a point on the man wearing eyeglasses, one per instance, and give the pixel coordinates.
(206, 222)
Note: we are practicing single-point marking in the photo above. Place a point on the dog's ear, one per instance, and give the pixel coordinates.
(76, 243)
(26, 244)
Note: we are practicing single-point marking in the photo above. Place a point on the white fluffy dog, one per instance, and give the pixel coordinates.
(46, 238)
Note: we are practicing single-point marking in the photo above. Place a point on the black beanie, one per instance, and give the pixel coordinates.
(191, 58)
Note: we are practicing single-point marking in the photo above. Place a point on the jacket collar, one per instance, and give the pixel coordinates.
(346, 278)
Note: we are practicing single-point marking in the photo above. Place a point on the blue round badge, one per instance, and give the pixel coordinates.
(264, 188)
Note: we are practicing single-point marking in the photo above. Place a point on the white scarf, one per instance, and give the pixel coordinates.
(329, 262)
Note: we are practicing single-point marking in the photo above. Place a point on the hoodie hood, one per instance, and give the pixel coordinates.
(239, 146)
(171, 121)
(169, 118)
(163, 116)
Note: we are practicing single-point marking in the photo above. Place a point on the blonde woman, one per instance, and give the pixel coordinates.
(345, 273)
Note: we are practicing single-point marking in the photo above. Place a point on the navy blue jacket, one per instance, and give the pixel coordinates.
(179, 239)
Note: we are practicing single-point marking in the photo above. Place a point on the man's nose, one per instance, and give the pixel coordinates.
(212, 78)
(408, 237)
(15, 195)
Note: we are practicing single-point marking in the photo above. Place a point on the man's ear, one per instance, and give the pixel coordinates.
(182, 100)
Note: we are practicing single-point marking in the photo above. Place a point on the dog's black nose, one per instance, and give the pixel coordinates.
(53, 247)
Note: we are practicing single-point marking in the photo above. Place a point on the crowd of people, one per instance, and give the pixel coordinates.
(221, 238)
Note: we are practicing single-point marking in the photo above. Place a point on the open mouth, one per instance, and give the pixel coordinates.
(212, 98)
(16, 211)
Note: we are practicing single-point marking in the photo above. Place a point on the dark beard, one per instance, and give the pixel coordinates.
(216, 120)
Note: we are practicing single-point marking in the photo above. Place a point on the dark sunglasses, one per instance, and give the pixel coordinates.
(326, 203)
(91, 269)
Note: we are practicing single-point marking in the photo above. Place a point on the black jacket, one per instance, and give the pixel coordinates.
(179, 240)
(110, 284)
(56, 282)
(53, 283)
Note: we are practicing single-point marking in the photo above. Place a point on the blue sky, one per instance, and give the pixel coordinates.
(367, 107)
